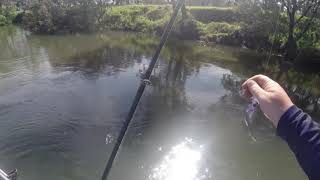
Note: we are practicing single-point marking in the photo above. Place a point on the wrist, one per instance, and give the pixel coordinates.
(283, 110)
(285, 121)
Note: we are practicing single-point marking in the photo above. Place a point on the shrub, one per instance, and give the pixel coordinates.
(214, 14)
(19, 18)
(157, 13)
(155, 18)
(136, 18)
(11, 12)
(39, 18)
(222, 27)
(7, 15)
(48, 17)
(3, 20)
(219, 31)
(189, 29)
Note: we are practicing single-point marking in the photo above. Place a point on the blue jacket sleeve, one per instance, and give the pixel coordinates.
(303, 137)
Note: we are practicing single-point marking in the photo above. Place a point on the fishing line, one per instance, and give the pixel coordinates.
(273, 40)
(252, 107)
(143, 84)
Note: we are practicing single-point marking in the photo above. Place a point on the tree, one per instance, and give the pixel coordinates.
(301, 14)
(52, 16)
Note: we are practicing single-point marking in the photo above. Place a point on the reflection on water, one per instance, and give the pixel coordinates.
(181, 162)
(63, 100)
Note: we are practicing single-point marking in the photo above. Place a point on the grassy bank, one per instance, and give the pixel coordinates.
(238, 26)
(229, 26)
(202, 23)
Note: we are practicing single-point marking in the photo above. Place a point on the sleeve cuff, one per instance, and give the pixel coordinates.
(286, 119)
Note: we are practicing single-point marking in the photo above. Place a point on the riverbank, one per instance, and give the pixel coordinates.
(227, 26)
(233, 26)
(210, 24)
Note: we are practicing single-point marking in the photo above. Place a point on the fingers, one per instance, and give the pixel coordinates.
(262, 80)
(255, 86)
(254, 89)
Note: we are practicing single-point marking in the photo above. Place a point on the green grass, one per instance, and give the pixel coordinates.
(136, 18)
(153, 18)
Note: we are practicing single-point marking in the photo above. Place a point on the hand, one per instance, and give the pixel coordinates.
(274, 101)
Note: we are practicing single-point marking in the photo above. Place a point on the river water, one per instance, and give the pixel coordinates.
(63, 99)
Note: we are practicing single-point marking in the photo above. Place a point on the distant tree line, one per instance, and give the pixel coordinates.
(188, 2)
(289, 24)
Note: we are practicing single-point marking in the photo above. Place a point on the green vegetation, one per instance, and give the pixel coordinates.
(136, 18)
(214, 14)
(217, 31)
(48, 18)
(154, 18)
(8, 15)
(257, 25)
(210, 24)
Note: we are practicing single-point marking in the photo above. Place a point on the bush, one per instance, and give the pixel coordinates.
(214, 14)
(222, 27)
(157, 13)
(19, 18)
(11, 12)
(3, 20)
(48, 18)
(311, 38)
(136, 18)
(154, 19)
(221, 32)
(39, 18)
(7, 15)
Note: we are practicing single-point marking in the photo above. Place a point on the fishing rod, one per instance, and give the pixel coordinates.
(145, 81)
(10, 176)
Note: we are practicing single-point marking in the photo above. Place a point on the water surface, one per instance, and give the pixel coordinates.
(63, 100)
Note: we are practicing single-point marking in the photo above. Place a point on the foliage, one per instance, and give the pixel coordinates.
(235, 30)
(214, 14)
(301, 16)
(219, 3)
(311, 38)
(3, 20)
(244, 23)
(219, 31)
(39, 18)
(7, 14)
(48, 16)
(216, 27)
(136, 18)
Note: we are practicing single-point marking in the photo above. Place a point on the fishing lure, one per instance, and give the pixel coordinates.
(251, 110)
(250, 115)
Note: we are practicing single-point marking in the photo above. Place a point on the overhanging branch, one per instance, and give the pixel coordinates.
(303, 14)
(308, 23)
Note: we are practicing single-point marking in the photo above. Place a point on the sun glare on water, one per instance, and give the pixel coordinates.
(181, 162)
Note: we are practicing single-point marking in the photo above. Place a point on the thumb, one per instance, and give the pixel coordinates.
(255, 89)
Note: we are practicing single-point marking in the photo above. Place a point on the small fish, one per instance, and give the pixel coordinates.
(250, 114)
(251, 110)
